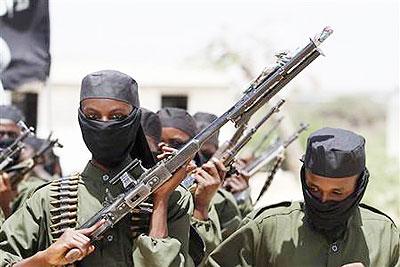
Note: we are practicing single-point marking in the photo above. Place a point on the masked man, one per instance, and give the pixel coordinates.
(151, 125)
(224, 202)
(178, 127)
(9, 131)
(330, 228)
(40, 234)
(203, 119)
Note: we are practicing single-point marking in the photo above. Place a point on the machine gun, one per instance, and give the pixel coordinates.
(19, 170)
(266, 136)
(7, 155)
(229, 155)
(260, 91)
(271, 153)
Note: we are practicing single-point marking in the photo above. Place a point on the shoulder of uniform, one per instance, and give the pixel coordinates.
(282, 208)
(40, 187)
(371, 213)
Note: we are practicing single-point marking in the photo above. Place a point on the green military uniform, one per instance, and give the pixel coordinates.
(279, 236)
(244, 202)
(25, 190)
(209, 230)
(33, 227)
(228, 212)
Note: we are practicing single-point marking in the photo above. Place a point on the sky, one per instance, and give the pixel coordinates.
(156, 38)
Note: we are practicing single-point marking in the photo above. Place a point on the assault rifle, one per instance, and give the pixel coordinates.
(271, 153)
(279, 160)
(260, 91)
(267, 135)
(7, 155)
(19, 170)
(228, 155)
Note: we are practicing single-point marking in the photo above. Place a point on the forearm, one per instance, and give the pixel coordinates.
(158, 221)
(39, 259)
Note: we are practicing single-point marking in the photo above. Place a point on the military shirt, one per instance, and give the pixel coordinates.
(28, 229)
(25, 190)
(209, 230)
(244, 202)
(279, 236)
(228, 212)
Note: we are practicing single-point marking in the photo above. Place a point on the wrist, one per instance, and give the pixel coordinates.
(39, 259)
(158, 221)
(200, 211)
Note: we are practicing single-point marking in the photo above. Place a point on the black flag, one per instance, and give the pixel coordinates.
(25, 26)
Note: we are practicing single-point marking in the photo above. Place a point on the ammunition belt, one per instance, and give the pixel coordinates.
(64, 204)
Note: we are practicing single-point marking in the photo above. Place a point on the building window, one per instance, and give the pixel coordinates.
(176, 101)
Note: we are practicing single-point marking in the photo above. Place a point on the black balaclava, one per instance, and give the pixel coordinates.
(9, 114)
(203, 119)
(180, 119)
(333, 153)
(151, 124)
(112, 141)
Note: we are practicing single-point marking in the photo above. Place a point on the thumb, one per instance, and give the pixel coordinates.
(73, 255)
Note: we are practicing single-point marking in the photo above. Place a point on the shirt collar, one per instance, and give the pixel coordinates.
(97, 180)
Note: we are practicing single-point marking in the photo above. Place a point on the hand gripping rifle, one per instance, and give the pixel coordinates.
(227, 156)
(272, 152)
(19, 170)
(6, 155)
(259, 92)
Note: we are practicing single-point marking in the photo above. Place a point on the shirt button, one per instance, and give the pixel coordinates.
(106, 177)
(334, 248)
(110, 238)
